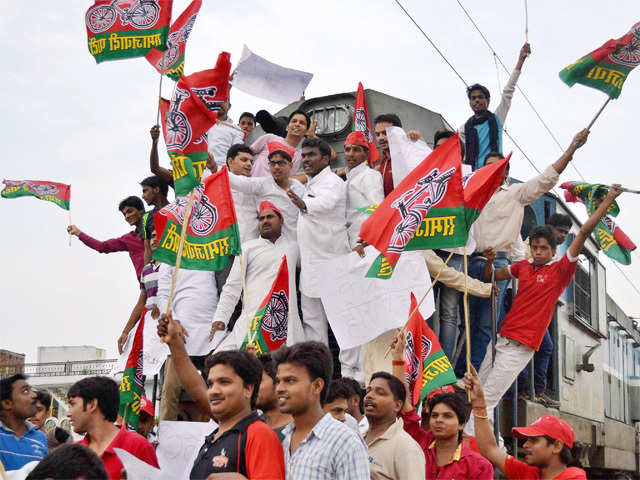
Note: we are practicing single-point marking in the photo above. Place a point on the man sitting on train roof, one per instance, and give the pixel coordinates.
(547, 447)
(482, 132)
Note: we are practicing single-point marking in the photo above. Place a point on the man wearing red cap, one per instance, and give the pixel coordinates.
(547, 447)
(364, 185)
(146, 421)
(261, 259)
(274, 187)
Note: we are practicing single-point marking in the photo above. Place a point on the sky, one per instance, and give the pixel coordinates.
(69, 120)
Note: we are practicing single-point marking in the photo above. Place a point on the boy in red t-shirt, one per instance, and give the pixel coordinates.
(547, 448)
(541, 282)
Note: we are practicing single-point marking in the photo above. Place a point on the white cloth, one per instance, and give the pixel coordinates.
(363, 426)
(260, 77)
(194, 304)
(406, 153)
(352, 363)
(266, 188)
(247, 214)
(364, 188)
(261, 259)
(511, 358)
(220, 137)
(314, 320)
(322, 232)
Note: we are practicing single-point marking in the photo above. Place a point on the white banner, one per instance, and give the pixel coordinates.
(258, 76)
(178, 445)
(137, 469)
(406, 153)
(359, 308)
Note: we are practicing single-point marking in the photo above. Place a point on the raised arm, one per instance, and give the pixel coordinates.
(108, 246)
(579, 140)
(173, 334)
(397, 356)
(510, 87)
(154, 164)
(487, 445)
(578, 242)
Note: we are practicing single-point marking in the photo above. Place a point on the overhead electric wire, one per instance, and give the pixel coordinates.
(519, 89)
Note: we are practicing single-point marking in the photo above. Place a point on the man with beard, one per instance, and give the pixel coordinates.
(393, 454)
(20, 441)
(242, 443)
(267, 399)
(316, 446)
(547, 448)
(93, 409)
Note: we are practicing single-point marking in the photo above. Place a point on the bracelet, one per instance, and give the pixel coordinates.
(399, 363)
(484, 417)
(479, 407)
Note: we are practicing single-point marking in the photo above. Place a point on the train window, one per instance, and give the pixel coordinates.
(582, 289)
(332, 120)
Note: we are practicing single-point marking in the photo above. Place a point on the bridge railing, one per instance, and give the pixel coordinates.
(59, 369)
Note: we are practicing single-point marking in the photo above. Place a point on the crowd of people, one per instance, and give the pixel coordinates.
(306, 411)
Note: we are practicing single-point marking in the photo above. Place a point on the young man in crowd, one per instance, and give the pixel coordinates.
(482, 132)
(547, 450)
(498, 228)
(239, 162)
(247, 123)
(223, 134)
(393, 454)
(242, 443)
(260, 262)
(146, 420)
(154, 193)
(540, 284)
(70, 462)
(322, 235)
(93, 409)
(316, 446)
(267, 399)
(43, 409)
(356, 406)
(132, 209)
(381, 122)
(297, 127)
(274, 187)
(20, 441)
(337, 404)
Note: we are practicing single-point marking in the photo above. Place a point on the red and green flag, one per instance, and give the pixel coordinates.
(426, 366)
(120, 29)
(434, 206)
(195, 105)
(607, 67)
(132, 383)
(269, 327)
(58, 193)
(611, 239)
(361, 123)
(171, 62)
(212, 233)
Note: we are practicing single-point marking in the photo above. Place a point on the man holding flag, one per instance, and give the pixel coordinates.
(260, 260)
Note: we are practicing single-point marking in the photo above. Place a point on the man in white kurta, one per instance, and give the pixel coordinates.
(274, 187)
(322, 232)
(239, 163)
(364, 184)
(222, 135)
(261, 259)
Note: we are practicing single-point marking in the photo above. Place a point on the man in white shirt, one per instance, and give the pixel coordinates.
(322, 232)
(274, 187)
(364, 185)
(223, 134)
(261, 259)
(239, 161)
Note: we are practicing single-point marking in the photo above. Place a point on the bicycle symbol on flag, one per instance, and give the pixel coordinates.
(142, 14)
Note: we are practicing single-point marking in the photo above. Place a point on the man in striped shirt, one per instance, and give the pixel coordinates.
(316, 446)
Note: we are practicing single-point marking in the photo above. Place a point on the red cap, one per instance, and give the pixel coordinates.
(281, 147)
(439, 390)
(357, 138)
(266, 205)
(549, 425)
(146, 406)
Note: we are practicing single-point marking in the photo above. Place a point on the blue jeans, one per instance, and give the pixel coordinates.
(449, 305)
(480, 316)
(541, 361)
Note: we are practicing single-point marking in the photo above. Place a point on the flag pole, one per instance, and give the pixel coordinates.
(160, 89)
(435, 280)
(467, 333)
(526, 22)
(183, 236)
(598, 114)
(69, 220)
(624, 189)
(244, 296)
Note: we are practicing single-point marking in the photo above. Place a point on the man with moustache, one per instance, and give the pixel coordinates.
(316, 446)
(20, 441)
(393, 454)
(242, 443)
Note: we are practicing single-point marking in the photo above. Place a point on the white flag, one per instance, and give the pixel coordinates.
(258, 76)
(406, 153)
(359, 308)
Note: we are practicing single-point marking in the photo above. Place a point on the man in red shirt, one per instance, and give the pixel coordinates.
(547, 448)
(541, 282)
(93, 410)
(381, 122)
